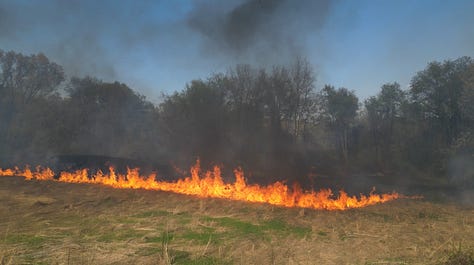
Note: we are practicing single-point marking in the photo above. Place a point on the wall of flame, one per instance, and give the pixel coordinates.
(209, 184)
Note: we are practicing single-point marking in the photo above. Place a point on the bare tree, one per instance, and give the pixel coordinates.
(301, 95)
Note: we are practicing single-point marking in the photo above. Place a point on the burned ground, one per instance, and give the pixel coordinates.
(60, 223)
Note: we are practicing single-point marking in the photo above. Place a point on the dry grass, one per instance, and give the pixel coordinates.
(60, 223)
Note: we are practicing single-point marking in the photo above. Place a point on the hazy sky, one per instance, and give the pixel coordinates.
(158, 46)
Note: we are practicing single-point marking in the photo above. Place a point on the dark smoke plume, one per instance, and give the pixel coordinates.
(262, 31)
(96, 37)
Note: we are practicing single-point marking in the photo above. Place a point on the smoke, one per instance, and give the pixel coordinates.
(258, 31)
(85, 37)
(161, 44)
(461, 175)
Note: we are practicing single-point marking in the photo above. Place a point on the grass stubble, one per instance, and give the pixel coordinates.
(60, 223)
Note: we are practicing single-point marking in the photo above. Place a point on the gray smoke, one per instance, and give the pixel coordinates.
(96, 37)
(85, 37)
(461, 175)
(262, 31)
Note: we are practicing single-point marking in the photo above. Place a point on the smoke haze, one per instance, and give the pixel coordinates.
(157, 46)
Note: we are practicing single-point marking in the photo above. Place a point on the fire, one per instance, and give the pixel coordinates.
(209, 184)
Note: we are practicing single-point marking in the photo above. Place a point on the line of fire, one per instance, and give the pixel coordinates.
(210, 184)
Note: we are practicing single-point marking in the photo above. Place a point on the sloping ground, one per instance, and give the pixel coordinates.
(60, 223)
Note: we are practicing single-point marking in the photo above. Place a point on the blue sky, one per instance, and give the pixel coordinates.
(159, 46)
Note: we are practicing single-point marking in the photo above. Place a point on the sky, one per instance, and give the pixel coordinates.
(157, 46)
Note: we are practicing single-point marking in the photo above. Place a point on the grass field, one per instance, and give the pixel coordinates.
(44, 222)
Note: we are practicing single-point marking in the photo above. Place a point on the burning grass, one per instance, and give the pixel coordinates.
(46, 222)
(210, 184)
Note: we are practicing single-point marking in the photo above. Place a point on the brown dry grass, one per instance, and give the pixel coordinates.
(60, 223)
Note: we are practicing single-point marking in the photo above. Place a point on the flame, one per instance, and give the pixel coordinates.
(210, 184)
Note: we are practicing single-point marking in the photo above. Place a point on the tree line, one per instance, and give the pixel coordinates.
(273, 122)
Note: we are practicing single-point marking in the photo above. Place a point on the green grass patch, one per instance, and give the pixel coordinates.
(322, 233)
(120, 235)
(179, 256)
(149, 214)
(201, 238)
(202, 261)
(164, 238)
(246, 228)
(29, 240)
(148, 251)
(238, 226)
(284, 228)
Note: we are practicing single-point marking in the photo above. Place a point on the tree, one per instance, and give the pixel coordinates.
(245, 99)
(277, 91)
(301, 98)
(436, 94)
(23, 79)
(383, 112)
(105, 116)
(194, 121)
(467, 99)
(460, 164)
(340, 110)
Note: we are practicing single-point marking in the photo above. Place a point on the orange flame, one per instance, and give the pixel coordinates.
(210, 185)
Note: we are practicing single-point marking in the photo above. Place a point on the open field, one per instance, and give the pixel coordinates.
(45, 222)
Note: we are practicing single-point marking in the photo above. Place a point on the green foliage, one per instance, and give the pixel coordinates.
(340, 106)
(436, 92)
